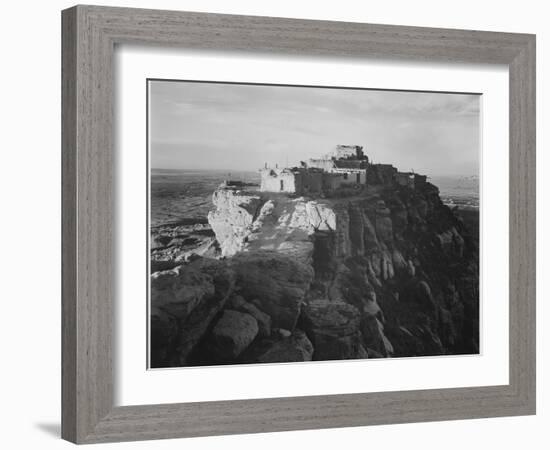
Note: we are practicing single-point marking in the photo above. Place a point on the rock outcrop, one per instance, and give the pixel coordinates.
(248, 222)
(294, 348)
(232, 334)
(274, 283)
(388, 272)
(184, 301)
(334, 329)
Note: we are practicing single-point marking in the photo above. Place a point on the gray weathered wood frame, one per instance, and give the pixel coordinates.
(89, 36)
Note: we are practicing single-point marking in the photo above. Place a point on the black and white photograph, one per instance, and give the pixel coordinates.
(290, 224)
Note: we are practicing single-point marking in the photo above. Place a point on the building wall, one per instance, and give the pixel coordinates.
(278, 180)
(349, 151)
(304, 181)
(298, 181)
(405, 179)
(312, 182)
(332, 180)
(353, 176)
(325, 164)
(419, 180)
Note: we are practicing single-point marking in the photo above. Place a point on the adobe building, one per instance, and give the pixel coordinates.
(347, 166)
(295, 180)
(405, 179)
(410, 179)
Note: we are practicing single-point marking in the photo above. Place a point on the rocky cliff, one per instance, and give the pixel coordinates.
(389, 271)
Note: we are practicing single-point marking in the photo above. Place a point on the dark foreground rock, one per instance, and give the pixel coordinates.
(238, 303)
(184, 301)
(232, 334)
(275, 283)
(334, 329)
(294, 348)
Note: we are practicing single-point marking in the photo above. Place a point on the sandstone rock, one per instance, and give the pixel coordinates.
(373, 278)
(357, 229)
(157, 266)
(421, 207)
(244, 221)
(333, 328)
(294, 348)
(383, 223)
(374, 337)
(382, 265)
(373, 354)
(187, 298)
(398, 260)
(369, 233)
(160, 241)
(424, 297)
(264, 321)
(164, 332)
(284, 333)
(178, 291)
(233, 217)
(274, 283)
(415, 340)
(451, 242)
(371, 307)
(362, 353)
(342, 232)
(232, 334)
(411, 270)
(399, 217)
(320, 216)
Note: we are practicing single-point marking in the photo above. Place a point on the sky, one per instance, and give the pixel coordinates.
(197, 125)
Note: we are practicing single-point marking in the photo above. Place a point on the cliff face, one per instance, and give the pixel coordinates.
(388, 272)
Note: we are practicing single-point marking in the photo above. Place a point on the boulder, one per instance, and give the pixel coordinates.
(180, 290)
(295, 348)
(238, 303)
(232, 334)
(276, 284)
(185, 300)
(333, 327)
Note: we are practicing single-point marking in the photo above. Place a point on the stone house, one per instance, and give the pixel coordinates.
(296, 180)
(405, 179)
(410, 179)
(347, 166)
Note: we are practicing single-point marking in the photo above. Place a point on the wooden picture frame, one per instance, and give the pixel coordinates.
(90, 34)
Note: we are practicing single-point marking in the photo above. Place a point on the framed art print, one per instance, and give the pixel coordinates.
(288, 207)
(322, 253)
